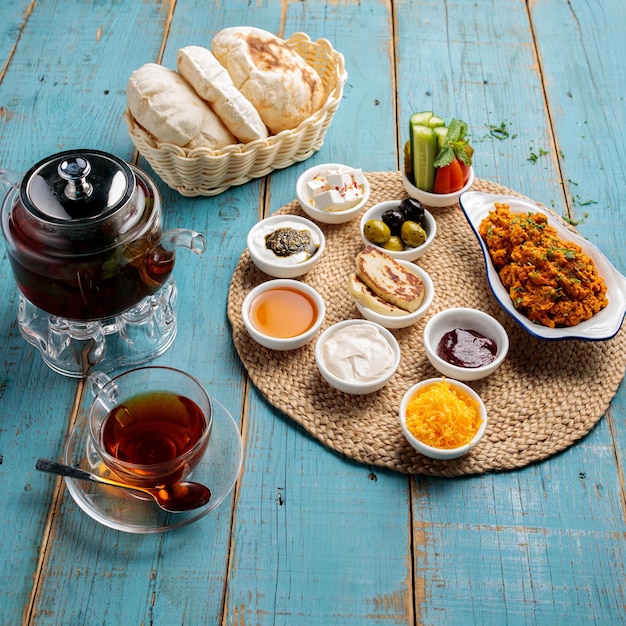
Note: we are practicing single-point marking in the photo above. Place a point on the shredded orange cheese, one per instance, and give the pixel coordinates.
(442, 417)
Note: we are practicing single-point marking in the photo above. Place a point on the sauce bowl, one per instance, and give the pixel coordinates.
(285, 304)
(368, 355)
(284, 266)
(467, 319)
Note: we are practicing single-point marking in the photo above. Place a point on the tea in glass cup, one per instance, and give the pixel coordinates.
(150, 426)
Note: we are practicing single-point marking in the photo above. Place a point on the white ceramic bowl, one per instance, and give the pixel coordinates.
(409, 254)
(283, 343)
(393, 321)
(436, 200)
(327, 217)
(274, 265)
(442, 453)
(356, 388)
(468, 319)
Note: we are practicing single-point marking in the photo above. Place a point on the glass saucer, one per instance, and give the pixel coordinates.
(118, 509)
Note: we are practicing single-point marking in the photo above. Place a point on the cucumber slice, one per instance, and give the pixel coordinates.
(436, 121)
(441, 132)
(420, 119)
(423, 152)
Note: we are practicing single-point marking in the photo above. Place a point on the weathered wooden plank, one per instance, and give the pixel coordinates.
(477, 62)
(35, 404)
(511, 547)
(13, 15)
(295, 556)
(60, 91)
(585, 77)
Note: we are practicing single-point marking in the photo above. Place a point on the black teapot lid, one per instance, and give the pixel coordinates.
(77, 187)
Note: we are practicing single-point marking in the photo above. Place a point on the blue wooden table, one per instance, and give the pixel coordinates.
(307, 536)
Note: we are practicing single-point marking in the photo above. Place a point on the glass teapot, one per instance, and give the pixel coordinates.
(83, 236)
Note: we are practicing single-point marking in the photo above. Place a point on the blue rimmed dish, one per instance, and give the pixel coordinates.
(603, 325)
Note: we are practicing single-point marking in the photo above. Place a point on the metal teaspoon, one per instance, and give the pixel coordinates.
(175, 498)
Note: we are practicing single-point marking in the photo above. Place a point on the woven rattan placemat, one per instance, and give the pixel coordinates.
(545, 397)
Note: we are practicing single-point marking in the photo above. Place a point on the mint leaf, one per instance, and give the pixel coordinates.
(445, 157)
(457, 129)
(456, 144)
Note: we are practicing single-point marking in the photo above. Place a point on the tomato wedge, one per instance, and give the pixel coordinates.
(465, 169)
(449, 178)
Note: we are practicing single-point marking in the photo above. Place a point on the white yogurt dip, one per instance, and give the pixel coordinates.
(357, 353)
(336, 190)
(260, 237)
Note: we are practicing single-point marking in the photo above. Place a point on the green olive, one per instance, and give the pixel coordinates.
(376, 231)
(394, 243)
(412, 234)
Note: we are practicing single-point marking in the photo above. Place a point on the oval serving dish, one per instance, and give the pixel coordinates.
(603, 325)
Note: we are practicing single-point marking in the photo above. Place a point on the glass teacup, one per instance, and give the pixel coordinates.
(151, 425)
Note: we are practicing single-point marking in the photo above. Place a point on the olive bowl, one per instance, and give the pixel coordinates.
(408, 254)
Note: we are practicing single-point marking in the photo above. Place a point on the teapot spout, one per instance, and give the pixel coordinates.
(183, 238)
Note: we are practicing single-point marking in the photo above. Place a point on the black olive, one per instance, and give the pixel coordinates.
(413, 210)
(394, 218)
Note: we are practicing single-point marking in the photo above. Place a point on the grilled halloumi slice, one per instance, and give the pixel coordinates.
(389, 280)
(363, 294)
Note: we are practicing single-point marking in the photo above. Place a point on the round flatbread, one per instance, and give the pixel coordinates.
(171, 111)
(211, 82)
(283, 88)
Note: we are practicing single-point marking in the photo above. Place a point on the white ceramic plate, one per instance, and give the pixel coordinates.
(603, 325)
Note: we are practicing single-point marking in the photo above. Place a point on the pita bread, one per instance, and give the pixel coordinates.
(211, 81)
(283, 88)
(171, 111)
(213, 134)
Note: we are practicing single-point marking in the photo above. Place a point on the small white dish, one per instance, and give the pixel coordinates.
(466, 319)
(436, 200)
(287, 266)
(402, 321)
(352, 386)
(283, 343)
(442, 453)
(328, 217)
(603, 325)
(408, 254)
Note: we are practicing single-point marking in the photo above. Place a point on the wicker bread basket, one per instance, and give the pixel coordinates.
(205, 172)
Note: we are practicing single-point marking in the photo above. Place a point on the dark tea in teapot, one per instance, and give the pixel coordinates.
(74, 262)
(92, 265)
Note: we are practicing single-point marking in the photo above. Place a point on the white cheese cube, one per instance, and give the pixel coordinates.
(327, 199)
(339, 180)
(357, 176)
(316, 185)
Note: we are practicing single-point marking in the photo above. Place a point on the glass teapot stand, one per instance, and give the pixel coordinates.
(75, 348)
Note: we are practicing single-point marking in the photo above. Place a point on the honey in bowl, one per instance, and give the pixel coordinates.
(283, 312)
(155, 429)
